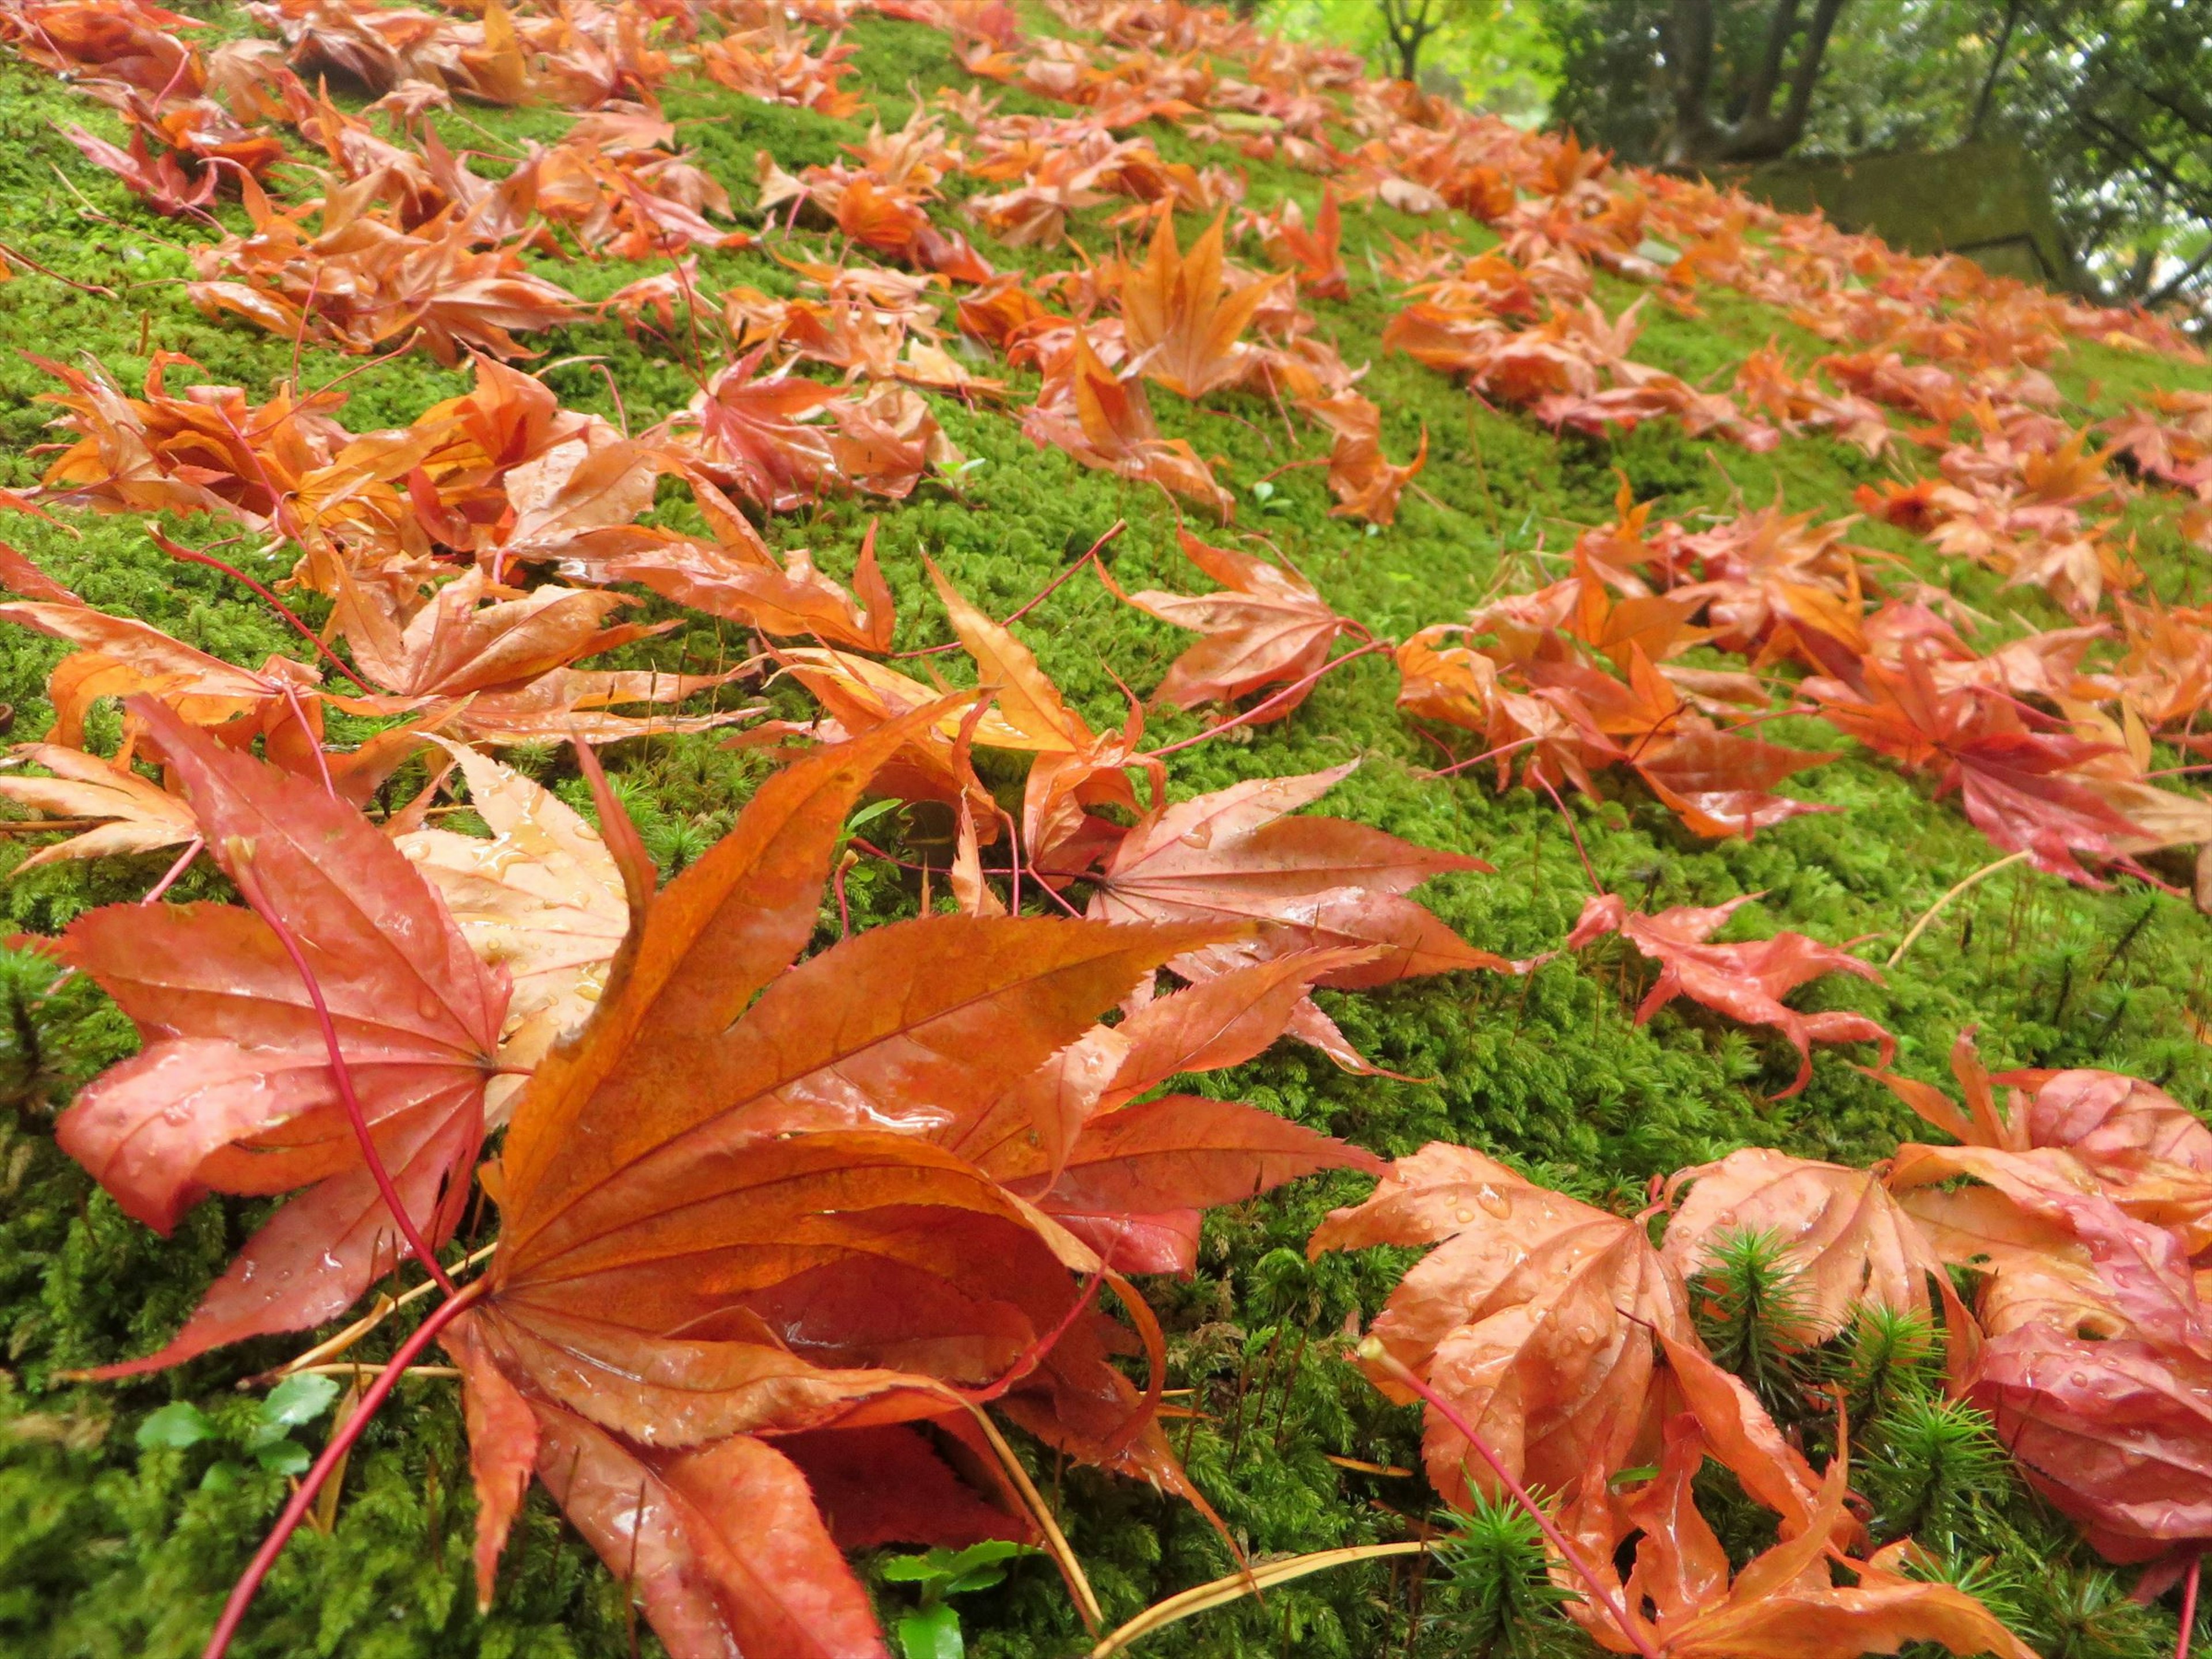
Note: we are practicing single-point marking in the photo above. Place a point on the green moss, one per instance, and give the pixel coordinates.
(107, 1549)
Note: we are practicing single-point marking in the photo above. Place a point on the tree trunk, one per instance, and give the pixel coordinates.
(1407, 24)
(1759, 133)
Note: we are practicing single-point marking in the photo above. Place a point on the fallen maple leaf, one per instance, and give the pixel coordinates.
(1551, 1329)
(161, 183)
(1072, 769)
(1746, 982)
(1682, 1602)
(2025, 789)
(1181, 322)
(233, 1090)
(736, 576)
(1534, 1316)
(1270, 628)
(2098, 1366)
(1114, 429)
(753, 436)
(142, 817)
(1235, 855)
(700, 1242)
(1846, 1241)
(1363, 479)
(542, 899)
(121, 656)
(2150, 1153)
(1312, 256)
(505, 655)
(1132, 1181)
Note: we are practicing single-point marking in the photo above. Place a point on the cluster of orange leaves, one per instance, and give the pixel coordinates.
(1559, 1333)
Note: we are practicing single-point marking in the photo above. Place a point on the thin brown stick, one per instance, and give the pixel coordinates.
(1056, 1543)
(1221, 1591)
(1929, 915)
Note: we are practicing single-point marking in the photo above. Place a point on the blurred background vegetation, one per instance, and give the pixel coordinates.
(2105, 98)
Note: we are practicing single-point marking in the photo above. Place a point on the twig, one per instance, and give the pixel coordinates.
(1488, 754)
(1236, 1586)
(184, 862)
(1937, 909)
(1568, 818)
(387, 1306)
(1056, 1543)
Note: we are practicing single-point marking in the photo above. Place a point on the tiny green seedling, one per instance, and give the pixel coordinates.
(266, 1436)
(1264, 493)
(932, 1630)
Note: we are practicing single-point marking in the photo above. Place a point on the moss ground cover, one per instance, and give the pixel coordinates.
(119, 1537)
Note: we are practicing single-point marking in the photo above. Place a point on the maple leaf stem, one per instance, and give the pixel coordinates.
(333, 1455)
(1568, 818)
(300, 334)
(1052, 894)
(176, 871)
(1260, 710)
(322, 760)
(249, 884)
(1487, 754)
(1376, 1354)
(876, 852)
(192, 555)
(1038, 599)
(2188, 1608)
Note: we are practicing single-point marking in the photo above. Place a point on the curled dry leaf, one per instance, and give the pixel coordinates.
(1746, 982)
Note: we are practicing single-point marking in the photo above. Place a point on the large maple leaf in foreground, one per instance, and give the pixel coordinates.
(725, 1220)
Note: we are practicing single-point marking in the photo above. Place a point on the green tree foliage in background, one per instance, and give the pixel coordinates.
(2104, 95)
(1499, 55)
